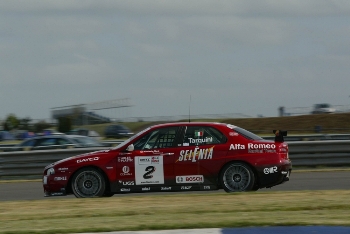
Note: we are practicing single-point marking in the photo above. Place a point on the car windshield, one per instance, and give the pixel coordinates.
(247, 134)
(86, 141)
(323, 106)
(131, 138)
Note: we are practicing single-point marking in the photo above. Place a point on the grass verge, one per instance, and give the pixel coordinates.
(176, 211)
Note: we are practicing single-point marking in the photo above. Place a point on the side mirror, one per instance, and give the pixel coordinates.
(130, 148)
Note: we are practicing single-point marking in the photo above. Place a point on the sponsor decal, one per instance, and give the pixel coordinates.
(146, 189)
(150, 151)
(60, 178)
(125, 190)
(236, 147)
(145, 161)
(148, 174)
(127, 183)
(189, 179)
(125, 159)
(200, 141)
(109, 168)
(196, 154)
(206, 187)
(63, 169)
(186, 144)
(255, 148)
(270, 170)
(88, 159)
(149, 160)
(261, 146)
(233, 134)
(57, 194)
(149, 170)
(230, 126)
(186, 187)
(126, 171)
(165, 188)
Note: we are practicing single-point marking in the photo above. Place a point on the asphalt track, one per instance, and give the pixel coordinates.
(298, 181)
(325, 180)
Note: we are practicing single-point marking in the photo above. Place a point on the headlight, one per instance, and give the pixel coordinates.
(50, 171)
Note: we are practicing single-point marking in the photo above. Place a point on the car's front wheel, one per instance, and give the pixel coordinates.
(88, 182)
(237, 177)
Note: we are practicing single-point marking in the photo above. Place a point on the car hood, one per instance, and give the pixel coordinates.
(82, 157)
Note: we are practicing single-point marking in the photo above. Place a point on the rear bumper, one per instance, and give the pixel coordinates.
(274, 175)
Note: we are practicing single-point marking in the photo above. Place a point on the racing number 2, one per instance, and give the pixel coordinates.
(148, 174)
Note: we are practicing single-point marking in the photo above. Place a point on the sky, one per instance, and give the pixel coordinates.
(166, 56)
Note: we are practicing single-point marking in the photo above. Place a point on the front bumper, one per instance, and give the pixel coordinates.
(54, 185)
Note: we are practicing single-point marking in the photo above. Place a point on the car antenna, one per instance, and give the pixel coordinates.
(189, 111)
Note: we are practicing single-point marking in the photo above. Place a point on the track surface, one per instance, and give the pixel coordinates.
(298, 181)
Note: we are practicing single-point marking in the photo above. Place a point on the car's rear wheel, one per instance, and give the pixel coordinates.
(88, 182)
(237, 177)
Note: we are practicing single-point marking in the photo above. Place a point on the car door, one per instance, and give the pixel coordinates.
(151, 163)
(202, 154)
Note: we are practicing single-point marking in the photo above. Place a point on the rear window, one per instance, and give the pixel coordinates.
(247, 134)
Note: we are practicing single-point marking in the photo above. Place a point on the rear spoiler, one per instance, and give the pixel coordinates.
(279, 134)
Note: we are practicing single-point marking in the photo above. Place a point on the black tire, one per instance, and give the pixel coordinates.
(108, 194)
(237, 177)
(88, 182)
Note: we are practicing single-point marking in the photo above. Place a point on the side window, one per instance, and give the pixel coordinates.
(199, 135)
(29, 143)
(157, 139)
(61, 141)
(47, 142)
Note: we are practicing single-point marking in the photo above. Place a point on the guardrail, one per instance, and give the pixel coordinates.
(14, 147)
(302, 153)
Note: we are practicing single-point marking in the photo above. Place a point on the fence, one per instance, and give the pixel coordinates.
(302, 153)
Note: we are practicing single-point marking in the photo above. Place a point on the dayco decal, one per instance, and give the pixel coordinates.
(270, 170)
(196, 154)
(189, 179)
(88, 159)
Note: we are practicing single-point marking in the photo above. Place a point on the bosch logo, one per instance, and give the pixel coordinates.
(197, 179)
(190, 179)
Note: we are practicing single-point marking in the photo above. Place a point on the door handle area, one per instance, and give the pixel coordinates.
(168, 154)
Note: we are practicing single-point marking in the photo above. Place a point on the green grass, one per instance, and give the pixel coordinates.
(176, 211)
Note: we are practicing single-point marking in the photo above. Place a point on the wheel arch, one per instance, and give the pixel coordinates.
(257, 181)
(69, 183)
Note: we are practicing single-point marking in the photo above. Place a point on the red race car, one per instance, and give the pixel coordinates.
(175, 157)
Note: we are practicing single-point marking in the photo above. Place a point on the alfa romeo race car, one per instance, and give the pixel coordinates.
(175, 157)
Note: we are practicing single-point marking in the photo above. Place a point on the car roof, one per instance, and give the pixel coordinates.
(190, 124)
